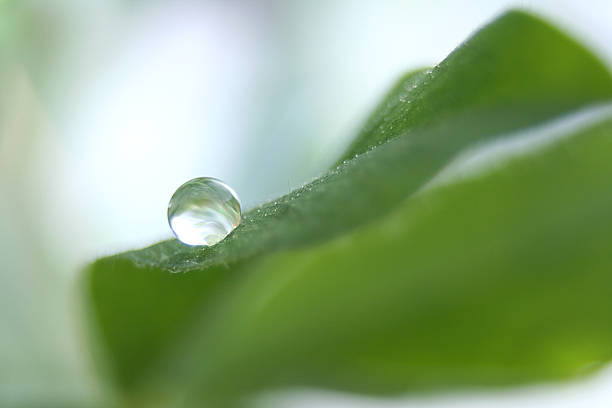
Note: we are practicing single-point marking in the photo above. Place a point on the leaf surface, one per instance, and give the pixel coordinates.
(353, 281)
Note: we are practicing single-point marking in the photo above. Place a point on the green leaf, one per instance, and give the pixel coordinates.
(499, 280)
(354, 282)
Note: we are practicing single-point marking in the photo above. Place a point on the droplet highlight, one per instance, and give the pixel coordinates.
(203, 211)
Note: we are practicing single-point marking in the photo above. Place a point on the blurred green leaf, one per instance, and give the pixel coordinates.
(500, 279)
(354, 282)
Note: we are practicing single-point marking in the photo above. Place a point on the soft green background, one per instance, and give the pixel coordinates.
(362, 281)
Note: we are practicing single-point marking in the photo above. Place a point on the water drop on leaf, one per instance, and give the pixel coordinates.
(203, 211)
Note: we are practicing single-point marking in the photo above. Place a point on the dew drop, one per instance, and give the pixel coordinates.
(203, 211)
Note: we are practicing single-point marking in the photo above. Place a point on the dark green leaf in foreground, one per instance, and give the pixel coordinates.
(344, 283)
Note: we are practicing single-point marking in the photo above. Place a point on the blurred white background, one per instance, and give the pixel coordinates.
(108, 106)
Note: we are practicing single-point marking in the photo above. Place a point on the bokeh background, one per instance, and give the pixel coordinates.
(107, 106)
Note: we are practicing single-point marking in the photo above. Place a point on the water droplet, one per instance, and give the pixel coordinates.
(203, 211)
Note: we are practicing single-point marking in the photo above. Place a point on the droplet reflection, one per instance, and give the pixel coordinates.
(203, 211)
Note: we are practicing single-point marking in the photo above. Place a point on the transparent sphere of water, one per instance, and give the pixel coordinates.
(203, 211)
